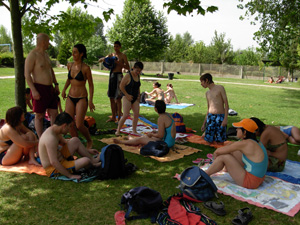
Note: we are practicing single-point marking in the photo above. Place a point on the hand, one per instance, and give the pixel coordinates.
(36, 95)
(93, 151)
(150, 135)
(57, 90)
(63, 94)
(77, 177)
(129, 97)
(92, 106)
(203, 128)
(224, 123)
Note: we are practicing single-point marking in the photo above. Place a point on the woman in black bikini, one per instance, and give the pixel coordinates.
(16, 140)
(77, 100)
(130, 87)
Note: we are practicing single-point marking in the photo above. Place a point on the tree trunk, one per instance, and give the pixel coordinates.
(16, 26)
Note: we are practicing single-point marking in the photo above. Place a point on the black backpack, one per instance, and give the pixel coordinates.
(143, 98)
(145, 201)
(114, 165)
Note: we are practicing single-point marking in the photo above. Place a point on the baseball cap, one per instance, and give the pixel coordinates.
(247, 124)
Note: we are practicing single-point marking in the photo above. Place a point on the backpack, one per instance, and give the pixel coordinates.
(145, 201)
(113, 163)
(143, 98)
(180, 126)
(155, 148)
(195, 183)
(109, 62)
(90, 123)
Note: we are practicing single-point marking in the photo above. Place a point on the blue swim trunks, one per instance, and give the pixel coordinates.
(286, 129)
(214, 131)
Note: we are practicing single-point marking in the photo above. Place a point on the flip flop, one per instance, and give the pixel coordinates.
(244, 217)
(215, 207)
(120, 218)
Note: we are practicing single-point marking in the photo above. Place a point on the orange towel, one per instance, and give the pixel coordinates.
(200, 140)
(24, 167)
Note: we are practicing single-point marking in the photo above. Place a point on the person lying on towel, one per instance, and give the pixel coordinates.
(56, 153)
(16, 140)
(166, 129)
(246, 161)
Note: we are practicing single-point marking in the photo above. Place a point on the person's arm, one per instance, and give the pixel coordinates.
(226, 106)
(236, 146)
(91, 88)
(55, 82)
(176, 98)
(126, 63)
(29, 66)
(151, 93)
(123, 83)
(19, 140)
(204, 122)
(161, 129)
(67, 84)
(51, 147)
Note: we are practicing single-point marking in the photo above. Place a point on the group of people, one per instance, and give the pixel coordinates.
(159, 94)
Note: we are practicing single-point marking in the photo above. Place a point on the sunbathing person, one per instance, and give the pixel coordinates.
(56, 153)
(166, 129)
(291, 133)
(170, 94)
(156, 94)
(16, 140)
(275, 142)
(246, 161)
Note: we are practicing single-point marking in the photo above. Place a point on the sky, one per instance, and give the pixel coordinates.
(202, 28)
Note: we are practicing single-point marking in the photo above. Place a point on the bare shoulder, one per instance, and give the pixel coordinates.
(86, 68)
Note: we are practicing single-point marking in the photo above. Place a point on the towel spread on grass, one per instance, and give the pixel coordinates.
(24, 167)
(176, 152)
(274, 193)
(171, 106)
(290, 172)
(200, 140)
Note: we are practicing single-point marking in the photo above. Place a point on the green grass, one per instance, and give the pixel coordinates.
(33, 199)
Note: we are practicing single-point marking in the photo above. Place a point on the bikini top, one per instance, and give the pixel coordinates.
(9, 142)
(79, 75)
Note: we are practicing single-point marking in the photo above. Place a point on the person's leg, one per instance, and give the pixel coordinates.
(220, 132)
(13, 155)
(81, 109)
(30, 136)
(126, 110)
(234, 168)
(53, 114)
(136, 113)
(70, 109)
(119, 108)
(113, 107)
(39, 123)
(135, 141)
(210, 128)
(295, 138)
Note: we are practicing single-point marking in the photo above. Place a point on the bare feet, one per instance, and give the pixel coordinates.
(117, 133)
(96, 159)
(117, 141)
(93, 151)
(89, 144)
(33, 162)
(111, 120)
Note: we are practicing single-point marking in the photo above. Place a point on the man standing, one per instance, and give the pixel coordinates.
(40, 78)
(215, 121)
(115, 78)
(56, 153)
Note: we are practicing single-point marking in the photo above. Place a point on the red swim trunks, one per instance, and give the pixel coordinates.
(48, 98)
(251, 181)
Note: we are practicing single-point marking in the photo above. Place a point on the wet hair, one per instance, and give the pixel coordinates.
(63, 118)
(170, 85)
(157, 84)
(138, 65)
(261, 125)
(13, 116)
(249, 135)
(27, 91)
(81, 49)
(117, 43)
(208, 77)
(160, 105)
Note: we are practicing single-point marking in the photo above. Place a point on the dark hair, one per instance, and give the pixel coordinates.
(139, 65)
(259, 123)
(157, 84)
(81, 49)
(63, 118)
(207, 77)
(249, 135)
(170, 85)
(160, 105)
(13, 116)
(117, 43)
(27, 91)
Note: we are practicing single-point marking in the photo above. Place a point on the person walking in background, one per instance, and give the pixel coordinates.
(40, 78)
(215, 121)
(78, 99)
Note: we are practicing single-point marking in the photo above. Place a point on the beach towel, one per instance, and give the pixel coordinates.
(24, 167)
(200, 140)
(274, 193)
(171, 105)
(176, 152)
(289, 173)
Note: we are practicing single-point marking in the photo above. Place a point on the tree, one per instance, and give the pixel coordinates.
(141, 30)
(4, 38)
(196, 52)
(279, 33)
(247, 57)
(222, 48)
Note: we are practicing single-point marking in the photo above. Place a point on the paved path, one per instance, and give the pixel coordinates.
(154, 79)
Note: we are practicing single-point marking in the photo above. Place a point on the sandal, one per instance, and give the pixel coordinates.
(215, 207)
(244, 217)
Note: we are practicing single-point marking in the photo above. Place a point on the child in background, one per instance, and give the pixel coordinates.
(170, 94)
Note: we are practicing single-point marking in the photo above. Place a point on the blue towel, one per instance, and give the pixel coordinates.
(170, 106)
(290, 172)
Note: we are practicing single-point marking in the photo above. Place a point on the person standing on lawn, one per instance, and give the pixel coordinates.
(215, 121)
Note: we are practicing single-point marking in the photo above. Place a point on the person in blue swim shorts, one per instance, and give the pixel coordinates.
(215, 121)
(291, 133)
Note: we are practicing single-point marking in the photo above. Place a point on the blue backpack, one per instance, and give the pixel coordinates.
(197, 184)
(109, 62)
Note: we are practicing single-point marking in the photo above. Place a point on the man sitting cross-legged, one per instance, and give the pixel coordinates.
(56, 153)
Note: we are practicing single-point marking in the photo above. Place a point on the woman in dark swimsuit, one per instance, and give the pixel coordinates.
(130, 87)
(77, 100)
(16, 140)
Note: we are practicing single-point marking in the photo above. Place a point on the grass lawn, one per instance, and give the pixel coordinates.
(33, 199)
